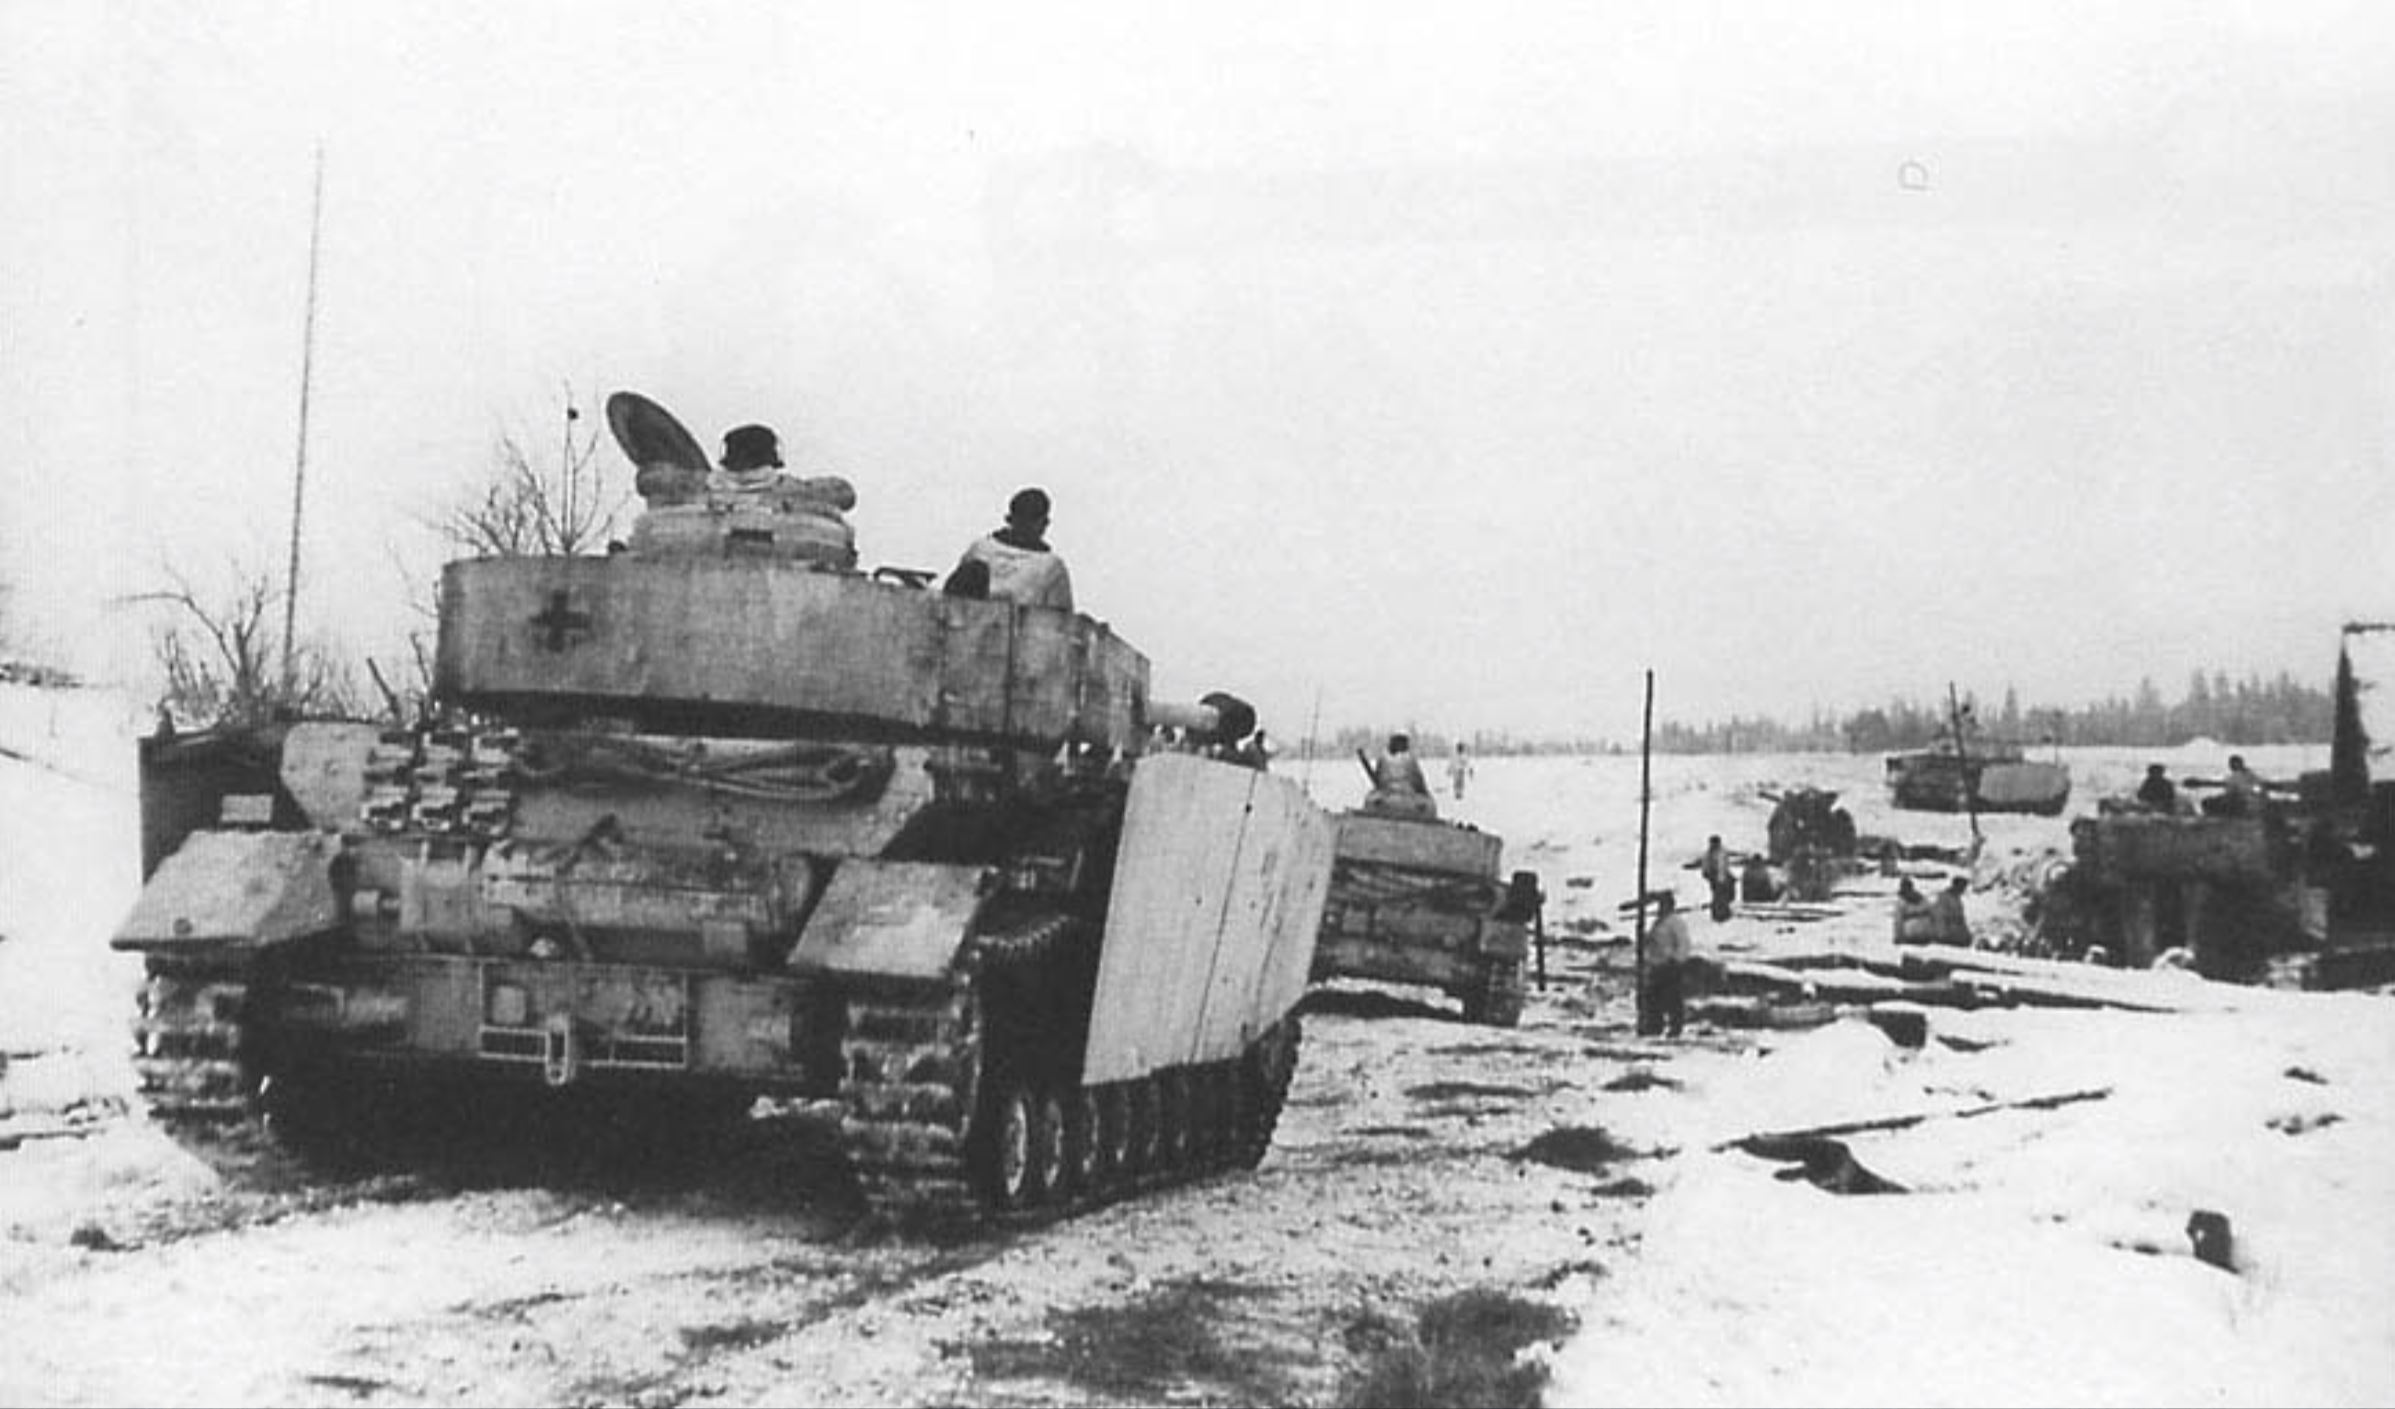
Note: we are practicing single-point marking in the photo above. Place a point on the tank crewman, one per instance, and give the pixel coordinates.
(2157, 791)
(750, 463)
(1399, 770)
(805, 511)
(1398, 783)
(1020, 565)
(2246, 790)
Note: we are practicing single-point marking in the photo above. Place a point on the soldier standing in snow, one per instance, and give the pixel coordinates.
(1459, 770)
(1663, 1004)
(1719, 876)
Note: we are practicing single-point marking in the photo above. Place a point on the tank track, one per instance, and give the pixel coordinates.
(949, 1121)
(196, 1063)
(1498, 1000)
(191, 1042)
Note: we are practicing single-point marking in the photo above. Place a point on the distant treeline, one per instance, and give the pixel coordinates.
(2214, 706)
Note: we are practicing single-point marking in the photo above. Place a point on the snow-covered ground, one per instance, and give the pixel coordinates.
(2037, 1254)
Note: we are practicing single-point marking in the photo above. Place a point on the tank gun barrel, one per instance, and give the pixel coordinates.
(1189, 717)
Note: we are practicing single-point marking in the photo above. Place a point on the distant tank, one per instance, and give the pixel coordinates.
(2290, 887)
(2295, 887)
(1986, 776)
(721, 817)
(1419, 901)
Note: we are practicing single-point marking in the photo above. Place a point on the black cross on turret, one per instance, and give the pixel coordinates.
(560, 623)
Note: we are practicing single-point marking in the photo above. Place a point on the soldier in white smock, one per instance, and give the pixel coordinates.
(1015, 561)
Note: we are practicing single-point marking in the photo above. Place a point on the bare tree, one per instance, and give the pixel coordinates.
(222, 663)
(539, 504)
(536, 501)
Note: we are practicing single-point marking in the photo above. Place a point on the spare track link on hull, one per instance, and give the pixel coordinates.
(942, 1131)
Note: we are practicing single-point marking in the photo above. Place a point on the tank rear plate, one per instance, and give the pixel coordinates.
(1218, 895)
(893, 919)
(1418, 845)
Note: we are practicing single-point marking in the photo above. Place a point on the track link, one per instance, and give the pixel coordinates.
(191, 1044)
(197, 1063)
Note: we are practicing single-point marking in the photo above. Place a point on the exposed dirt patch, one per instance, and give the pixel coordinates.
(1465, 1091)
(1491, 1049)
(1641, 1079)
(1177, 1343)
(1401, 1132)
(1583, 1148)
(1463, 1352)
(1372, 1003)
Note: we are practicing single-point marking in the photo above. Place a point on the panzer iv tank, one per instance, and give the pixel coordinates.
(1416, 900)
(722, 817)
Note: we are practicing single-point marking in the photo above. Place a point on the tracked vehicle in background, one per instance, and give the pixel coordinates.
(1418, 901)
(2296, 890)
(721, 817)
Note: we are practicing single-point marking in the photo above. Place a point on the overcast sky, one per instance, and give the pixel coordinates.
(1449, 365)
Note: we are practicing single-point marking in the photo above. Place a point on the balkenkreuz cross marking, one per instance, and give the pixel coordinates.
(560, 623)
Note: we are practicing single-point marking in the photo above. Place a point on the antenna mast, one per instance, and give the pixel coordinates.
(1646, 794)
(299, 472)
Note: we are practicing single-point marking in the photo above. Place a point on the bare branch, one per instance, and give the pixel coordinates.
(540, 505)
(217, 656)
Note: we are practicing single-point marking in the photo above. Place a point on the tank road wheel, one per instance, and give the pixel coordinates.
(1143, 1128)
(1176, 1123)
(1051, 1176)
(1110, 1138)
(1005, 1158)
(1084, 1156)
(1211, 1123)
(1239, 1112)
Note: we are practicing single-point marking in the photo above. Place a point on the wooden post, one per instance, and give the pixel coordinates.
(1646, 753)
(1538, 931)
(1962, 758)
